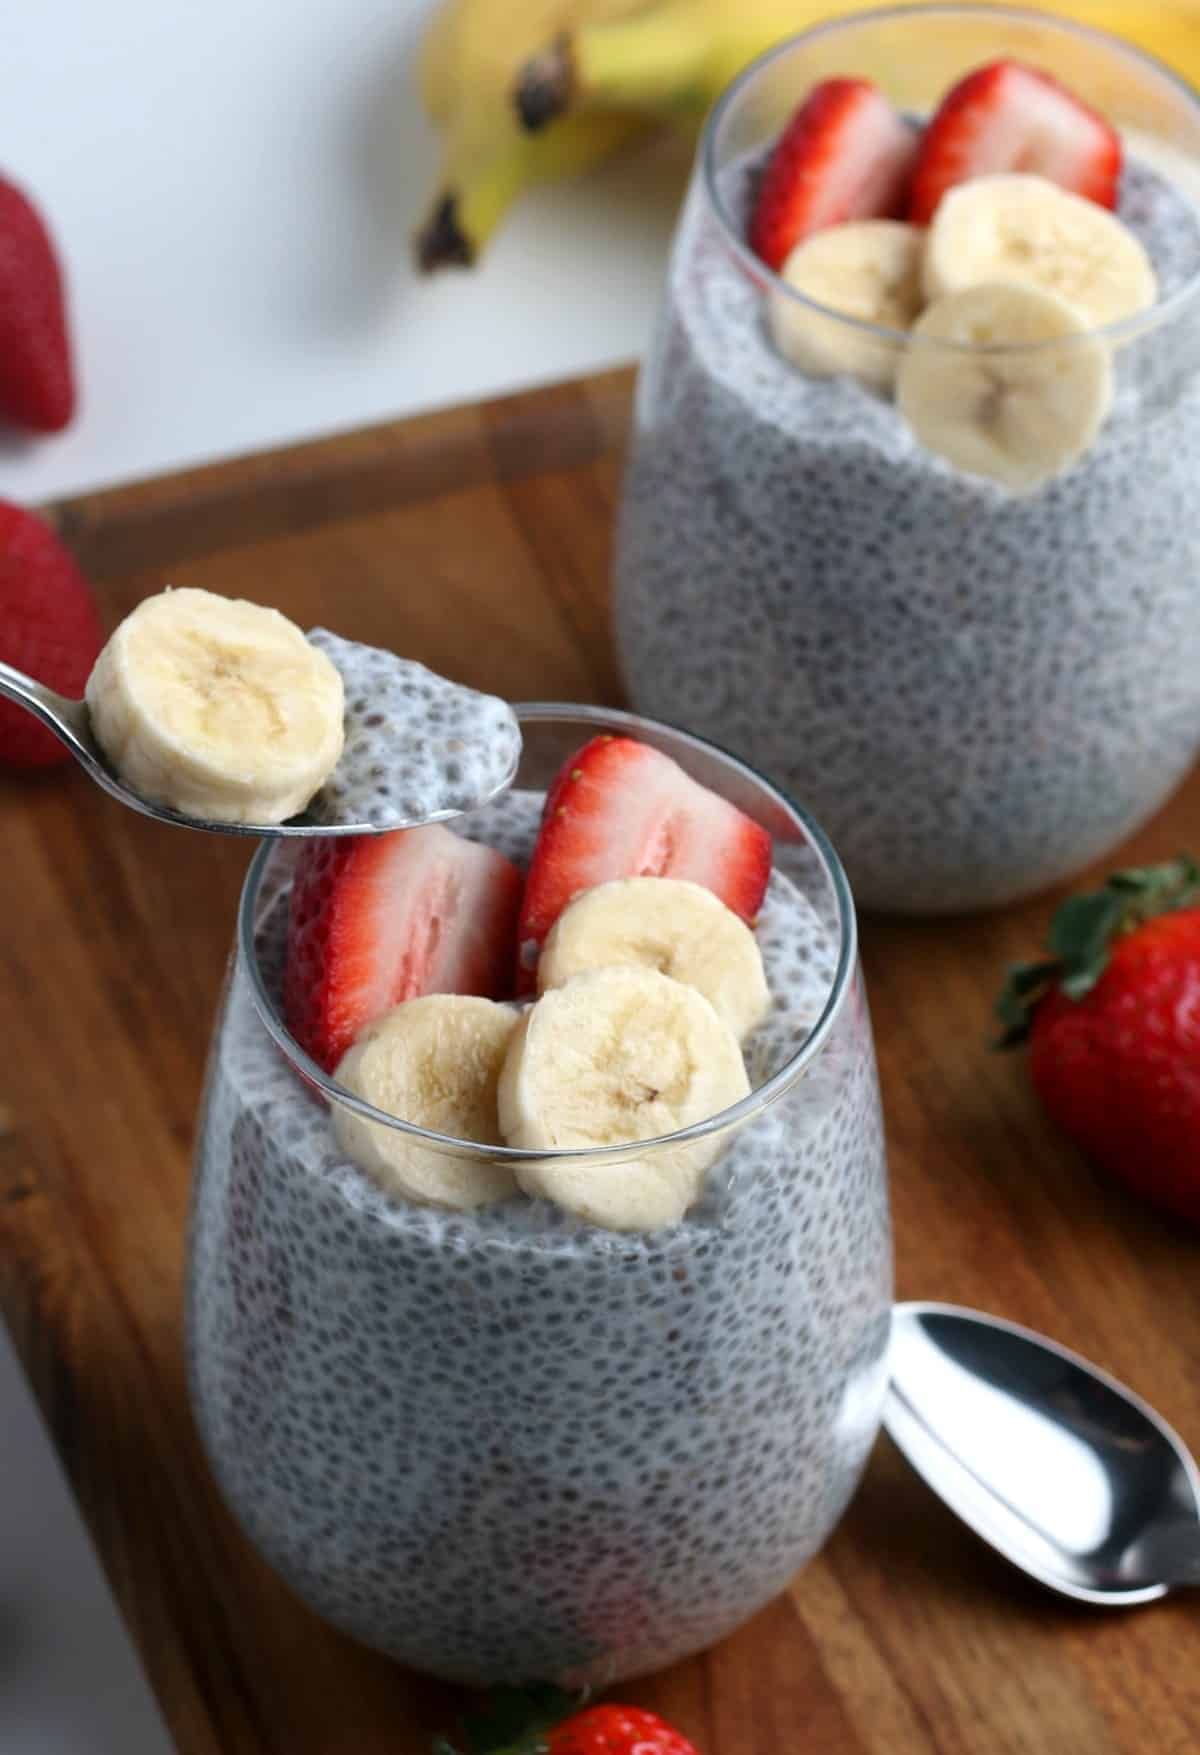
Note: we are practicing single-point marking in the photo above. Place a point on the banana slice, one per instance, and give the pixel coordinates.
(669, 924)
(434, 1061)
(1027, 230)
(217, 708)
(1005, 382)
(869, 269)
(614, 1056)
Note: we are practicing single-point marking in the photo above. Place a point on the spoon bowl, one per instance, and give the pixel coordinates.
(70, 722)
(1057, 1466)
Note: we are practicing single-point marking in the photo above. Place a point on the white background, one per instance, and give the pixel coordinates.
(234, 185)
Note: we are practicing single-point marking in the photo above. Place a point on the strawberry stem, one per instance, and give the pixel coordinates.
(512, 1721)
(1082, 934)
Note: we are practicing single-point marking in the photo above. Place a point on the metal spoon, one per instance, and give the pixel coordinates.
(1062, 1470)
(70, 722)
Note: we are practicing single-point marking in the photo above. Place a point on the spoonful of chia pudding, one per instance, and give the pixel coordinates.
(214, 713)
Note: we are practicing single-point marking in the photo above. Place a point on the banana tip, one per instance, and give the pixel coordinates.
(441, 242)
(545, 85)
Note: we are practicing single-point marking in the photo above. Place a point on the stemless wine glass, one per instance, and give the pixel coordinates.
(977, 689)
(505, 1444)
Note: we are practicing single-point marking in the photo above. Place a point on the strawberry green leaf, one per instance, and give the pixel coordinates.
(1026, 984)
(512, 1721)
(1082, 934)
(1176, 884)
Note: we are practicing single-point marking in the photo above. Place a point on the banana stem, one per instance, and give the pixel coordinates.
(476, 193)
(652, 62)
(468, 210)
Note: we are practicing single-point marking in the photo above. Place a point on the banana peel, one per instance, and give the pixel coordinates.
(479, 186)
(676, 57)
(469, 56)
(533, 90)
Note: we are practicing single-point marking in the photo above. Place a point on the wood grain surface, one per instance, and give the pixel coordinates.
(478, 541)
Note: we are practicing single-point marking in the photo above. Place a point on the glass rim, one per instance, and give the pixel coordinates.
(753, 1104)
(1123, 330)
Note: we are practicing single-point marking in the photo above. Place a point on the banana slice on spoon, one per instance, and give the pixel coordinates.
(217, 708)
(217, 714)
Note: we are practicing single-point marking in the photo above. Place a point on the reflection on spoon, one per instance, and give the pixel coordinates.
(1062, 1470)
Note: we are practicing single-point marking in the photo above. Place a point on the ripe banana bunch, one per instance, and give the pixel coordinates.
(672, 58)
(668, 59)
(494, 73)
(470, 57)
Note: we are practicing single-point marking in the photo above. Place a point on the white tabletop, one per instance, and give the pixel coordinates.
(234, 188)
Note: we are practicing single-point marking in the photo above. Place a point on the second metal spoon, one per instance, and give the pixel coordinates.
(1065, 1472)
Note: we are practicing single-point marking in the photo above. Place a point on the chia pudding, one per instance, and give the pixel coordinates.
(507, 1444)
(418, 747)
(978, 691)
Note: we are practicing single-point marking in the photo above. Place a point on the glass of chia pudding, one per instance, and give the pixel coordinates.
(474, 1407)
(910, 517)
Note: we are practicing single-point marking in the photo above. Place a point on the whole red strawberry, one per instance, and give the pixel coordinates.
(539, 1721)
(37, 384)
(1113, 1024)
(617, 1730)
(49, 628)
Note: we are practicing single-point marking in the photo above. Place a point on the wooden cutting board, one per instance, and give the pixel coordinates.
(478, 541)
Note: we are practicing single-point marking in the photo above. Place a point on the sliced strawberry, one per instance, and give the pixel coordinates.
(621, 809)
(846, 154)
(1009, 117)
(376, 919)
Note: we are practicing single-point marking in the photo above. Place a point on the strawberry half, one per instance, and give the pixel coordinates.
(846, 154)
(37, 385)
(376, 919)
(621, 809)
(1009, 117)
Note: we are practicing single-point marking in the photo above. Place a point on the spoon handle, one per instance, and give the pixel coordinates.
(26, 691)
(1171, 1551)
(56, 712)
(16, 686)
